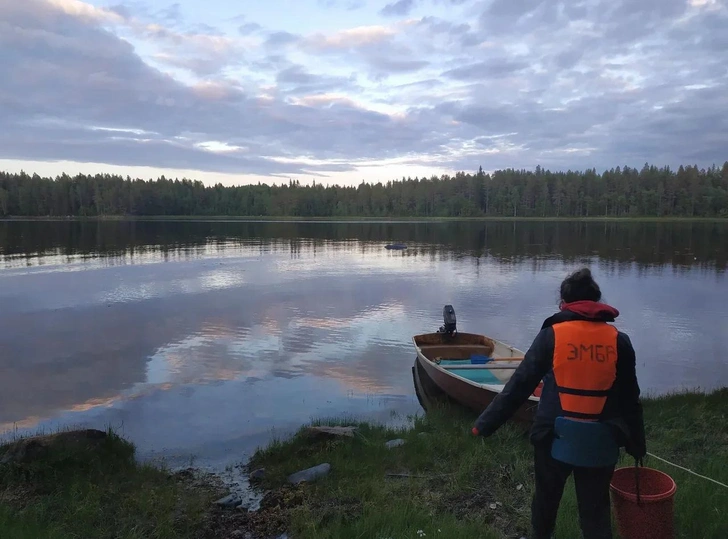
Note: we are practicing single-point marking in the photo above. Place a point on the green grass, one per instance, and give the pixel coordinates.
(692, 431)
(100, 492)
(455, 477)
(457, 486)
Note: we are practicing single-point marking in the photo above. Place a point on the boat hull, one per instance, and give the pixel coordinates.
(471, 395)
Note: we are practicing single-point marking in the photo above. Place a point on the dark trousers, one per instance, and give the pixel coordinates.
(592, 494)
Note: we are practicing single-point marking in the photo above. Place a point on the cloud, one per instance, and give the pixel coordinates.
(296, 79)
(279, 39)
(200, 48)
(244, 26)
(458, 35)
(488, 69)
(88, 146)
(348, 5)
(69, 76)
(202, 53)
(392, 65)
(577, 84)
(513, 8)
(70, 73)
(326, 100)
(353, 38)
(171, 14)
(568, 58)
(399, 8)
(74, 8)
(382, 50)
(123, 10)
(249, 28)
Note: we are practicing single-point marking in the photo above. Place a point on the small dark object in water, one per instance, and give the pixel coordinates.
(395, 246)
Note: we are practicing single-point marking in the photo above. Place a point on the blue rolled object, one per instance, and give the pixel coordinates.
(478, 359)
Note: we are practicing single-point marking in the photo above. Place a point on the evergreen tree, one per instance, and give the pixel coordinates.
(618, 192)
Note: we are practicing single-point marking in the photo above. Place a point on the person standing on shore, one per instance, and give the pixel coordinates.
(589, 407)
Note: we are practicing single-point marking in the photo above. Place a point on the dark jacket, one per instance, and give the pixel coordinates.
(623, 410)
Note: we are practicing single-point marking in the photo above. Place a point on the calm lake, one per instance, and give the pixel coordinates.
(204, 339)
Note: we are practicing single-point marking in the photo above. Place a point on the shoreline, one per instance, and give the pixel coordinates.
(440, 481)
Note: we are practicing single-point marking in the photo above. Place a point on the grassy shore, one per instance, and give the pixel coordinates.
(442, 482)
(95, 488)
(465, 487)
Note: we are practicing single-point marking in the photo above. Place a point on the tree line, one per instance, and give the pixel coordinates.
(618, 192)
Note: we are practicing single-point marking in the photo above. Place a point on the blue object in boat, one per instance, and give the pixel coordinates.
(479, 359)
(479, 376)
(588, 444)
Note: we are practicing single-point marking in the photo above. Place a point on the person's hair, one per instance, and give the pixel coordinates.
(580, 286)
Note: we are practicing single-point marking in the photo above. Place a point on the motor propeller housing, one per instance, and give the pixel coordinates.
(449, 319)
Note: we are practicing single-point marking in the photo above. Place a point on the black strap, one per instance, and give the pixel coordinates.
(580, 415)
(584, 392)
(637, 464)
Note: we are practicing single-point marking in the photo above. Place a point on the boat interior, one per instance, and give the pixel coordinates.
(474, 357)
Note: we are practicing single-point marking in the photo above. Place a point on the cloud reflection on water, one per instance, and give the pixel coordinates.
(207, 354)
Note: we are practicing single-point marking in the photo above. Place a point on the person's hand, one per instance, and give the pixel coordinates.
(636, 450)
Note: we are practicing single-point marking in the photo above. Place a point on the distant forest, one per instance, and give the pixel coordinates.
(619, 192)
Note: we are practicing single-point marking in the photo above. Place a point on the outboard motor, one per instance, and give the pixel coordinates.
(448, 315)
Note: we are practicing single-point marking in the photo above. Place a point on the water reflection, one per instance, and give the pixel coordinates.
(241, 337)
(648, 244)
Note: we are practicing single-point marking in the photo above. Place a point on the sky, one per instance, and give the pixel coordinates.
(340, 91)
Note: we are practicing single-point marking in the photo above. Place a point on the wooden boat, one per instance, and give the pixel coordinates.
(429, 395)
(470, 368)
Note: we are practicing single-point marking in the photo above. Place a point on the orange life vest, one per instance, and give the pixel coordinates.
(585, 366)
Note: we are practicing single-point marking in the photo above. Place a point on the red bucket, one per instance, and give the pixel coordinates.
(652, 518)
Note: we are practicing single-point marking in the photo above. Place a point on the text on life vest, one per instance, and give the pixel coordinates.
(591, 352)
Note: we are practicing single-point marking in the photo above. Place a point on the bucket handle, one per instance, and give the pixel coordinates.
(637, 464)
